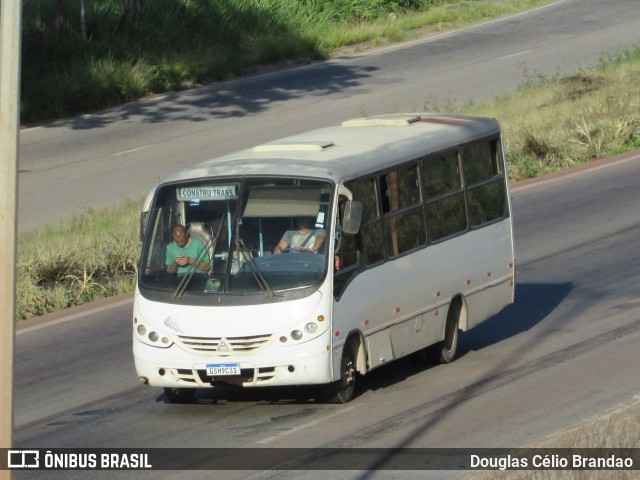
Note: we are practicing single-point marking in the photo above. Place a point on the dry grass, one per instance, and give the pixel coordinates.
(554, 124)
(90, 256)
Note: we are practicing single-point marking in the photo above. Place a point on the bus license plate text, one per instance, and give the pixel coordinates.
(219, 369)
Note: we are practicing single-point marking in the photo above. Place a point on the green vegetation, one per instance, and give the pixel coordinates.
(549, 124)
(84, 258)
(553, 124)
(122, 50)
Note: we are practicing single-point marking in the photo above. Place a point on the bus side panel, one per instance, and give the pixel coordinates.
(414, 334)
(405, 337)
(379, 348)
(484, 304)
(394, 307)
(401, 306)
(493, 286)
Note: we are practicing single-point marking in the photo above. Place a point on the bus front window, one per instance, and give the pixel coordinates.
(254, 236)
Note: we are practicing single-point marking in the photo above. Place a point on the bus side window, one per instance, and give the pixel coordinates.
(441, 174)
(487, 202)
(367, 246)
(348, 252)
(371, 238)
(479, 162)
(485, 181)
(350, 245)
(446, 216)
(445, 201)
(404, 226)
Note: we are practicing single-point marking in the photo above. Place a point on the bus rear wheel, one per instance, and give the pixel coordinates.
(342, 390)
(179, 395)
(445, 350)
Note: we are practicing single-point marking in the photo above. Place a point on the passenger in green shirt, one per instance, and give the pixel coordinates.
(184, 251)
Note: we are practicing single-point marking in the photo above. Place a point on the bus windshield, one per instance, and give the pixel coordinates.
(240, 236)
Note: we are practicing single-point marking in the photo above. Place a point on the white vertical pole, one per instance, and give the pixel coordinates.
(10, 29)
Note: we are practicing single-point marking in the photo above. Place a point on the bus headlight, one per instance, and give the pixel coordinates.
(152, 338)
(311, 327)
(304, 333)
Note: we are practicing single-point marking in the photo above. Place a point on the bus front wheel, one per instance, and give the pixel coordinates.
(179, 395)
(342, 390)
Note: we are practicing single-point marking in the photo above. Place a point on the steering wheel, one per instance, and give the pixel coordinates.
(296, 249)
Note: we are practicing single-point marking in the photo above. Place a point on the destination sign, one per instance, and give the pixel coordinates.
(218, 192)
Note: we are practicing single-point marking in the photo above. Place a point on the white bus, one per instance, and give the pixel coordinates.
(406, 239)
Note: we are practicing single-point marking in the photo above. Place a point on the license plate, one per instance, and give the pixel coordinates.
(220, 369)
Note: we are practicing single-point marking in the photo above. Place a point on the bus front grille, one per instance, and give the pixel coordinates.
(222, 345)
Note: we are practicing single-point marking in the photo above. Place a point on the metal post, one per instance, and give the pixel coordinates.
(10, 29)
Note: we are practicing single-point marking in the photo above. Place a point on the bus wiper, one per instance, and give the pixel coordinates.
(214, 241)
(257, 274)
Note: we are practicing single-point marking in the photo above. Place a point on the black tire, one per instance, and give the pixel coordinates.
(445, 350)
(342, 390)
(179, 395)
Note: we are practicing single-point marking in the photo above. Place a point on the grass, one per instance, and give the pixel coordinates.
(122, 55)
(90, 256)
(555, 123)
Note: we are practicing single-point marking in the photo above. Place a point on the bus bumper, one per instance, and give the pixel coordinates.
(297, 366)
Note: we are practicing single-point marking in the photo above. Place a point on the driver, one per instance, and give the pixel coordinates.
(305, 239)
(183, 253)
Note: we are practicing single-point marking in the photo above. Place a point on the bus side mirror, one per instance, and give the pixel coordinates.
(351, 217)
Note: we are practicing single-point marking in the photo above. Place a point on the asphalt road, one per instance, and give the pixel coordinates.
(566, 350)
(96, 160)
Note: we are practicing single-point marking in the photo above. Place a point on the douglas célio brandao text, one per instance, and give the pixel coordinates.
(573, 461)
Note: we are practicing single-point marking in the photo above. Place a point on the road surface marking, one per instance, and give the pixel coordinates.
(524, 52)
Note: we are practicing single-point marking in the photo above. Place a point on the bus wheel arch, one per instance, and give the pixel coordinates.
(463, 320)
(356, 343)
